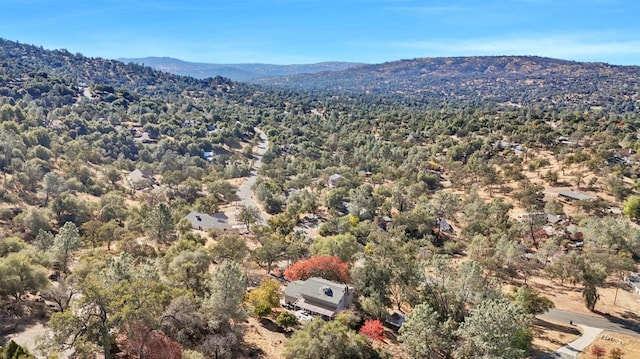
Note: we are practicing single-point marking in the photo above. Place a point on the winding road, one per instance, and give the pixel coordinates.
(245, 193)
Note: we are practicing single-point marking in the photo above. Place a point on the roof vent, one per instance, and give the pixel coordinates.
(327, 291)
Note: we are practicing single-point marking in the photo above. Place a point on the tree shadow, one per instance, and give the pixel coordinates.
(17, 316)
(629, 320)
(269, 325)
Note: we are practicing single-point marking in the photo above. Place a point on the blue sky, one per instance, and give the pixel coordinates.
(307, 31)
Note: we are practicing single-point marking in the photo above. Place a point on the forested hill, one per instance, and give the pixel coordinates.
(236, 72)
(18, 60)
(517, 79)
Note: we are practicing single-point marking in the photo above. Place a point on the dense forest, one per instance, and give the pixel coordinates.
(425, 185)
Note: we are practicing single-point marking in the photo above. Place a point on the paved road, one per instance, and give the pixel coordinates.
(244, 191)
(603, 322)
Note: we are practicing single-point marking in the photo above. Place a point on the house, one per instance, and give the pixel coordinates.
(634, 280)
(443, 225)
(396, 320)
(574, 196)
(333, 180)
(318, 296)
(205, 222)
(208, 155)
(140, 179)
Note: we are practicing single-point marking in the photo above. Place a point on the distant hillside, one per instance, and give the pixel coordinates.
(236, 72)
(517, 79)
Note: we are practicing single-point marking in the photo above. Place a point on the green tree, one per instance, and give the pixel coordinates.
(632, 208)
(286, 320)
(160, 226)
(249, 215)
(226, 293)
(52, 185)
(328, 340)
(496, 328)
(230, 246)
(65, 244)
(14, 351)
(530, 300)
(188, 269)
(343, 246)
(20, 275)
(424, 335)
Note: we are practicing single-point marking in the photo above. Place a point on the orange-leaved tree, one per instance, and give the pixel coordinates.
(373, 329)
(327, 267)
(139, 341)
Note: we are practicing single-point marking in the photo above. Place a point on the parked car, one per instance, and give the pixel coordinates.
(302, 316)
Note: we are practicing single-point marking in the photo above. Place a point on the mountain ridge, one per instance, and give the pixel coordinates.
(236, 72)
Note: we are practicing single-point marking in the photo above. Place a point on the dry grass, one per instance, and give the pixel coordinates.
(630, 345)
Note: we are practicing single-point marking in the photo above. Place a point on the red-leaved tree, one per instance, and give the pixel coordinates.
(373, 329)
(138, 341)
(598, 351)
(329, 268)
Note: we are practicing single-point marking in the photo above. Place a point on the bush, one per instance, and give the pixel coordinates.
(262, 310)
(286, 320)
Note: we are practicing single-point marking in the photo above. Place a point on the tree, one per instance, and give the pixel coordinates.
(60, 293)
(185, 320)
(65, 243)
(598, 351)
(286, 320)
(261, 310)
(616, 353)
(36, 220)
(249, 215)
(188, 269)
(229, 246)
(321, 340)
(373, 329)
(115, 296)
(19, 275)
(632, 208)
(423, 335)
(160, 224)
(272, 249)
(14, 351)
(226, 293)
(343, 246)
(139, 341)
(496, 328)
(69, 208)
(329, 268)
(267, 293)
(53, 185)
(530, 300)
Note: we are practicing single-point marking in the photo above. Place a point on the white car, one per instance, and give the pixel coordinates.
(302, 316)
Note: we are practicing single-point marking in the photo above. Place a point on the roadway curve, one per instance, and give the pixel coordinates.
(608, 323)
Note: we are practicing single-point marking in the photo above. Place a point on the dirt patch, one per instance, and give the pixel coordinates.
(549, 336)
(269, 341)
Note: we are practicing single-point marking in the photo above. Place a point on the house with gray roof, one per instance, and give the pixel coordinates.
(205, 222)
(575, 196)
(319, 296)
(141, 179)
